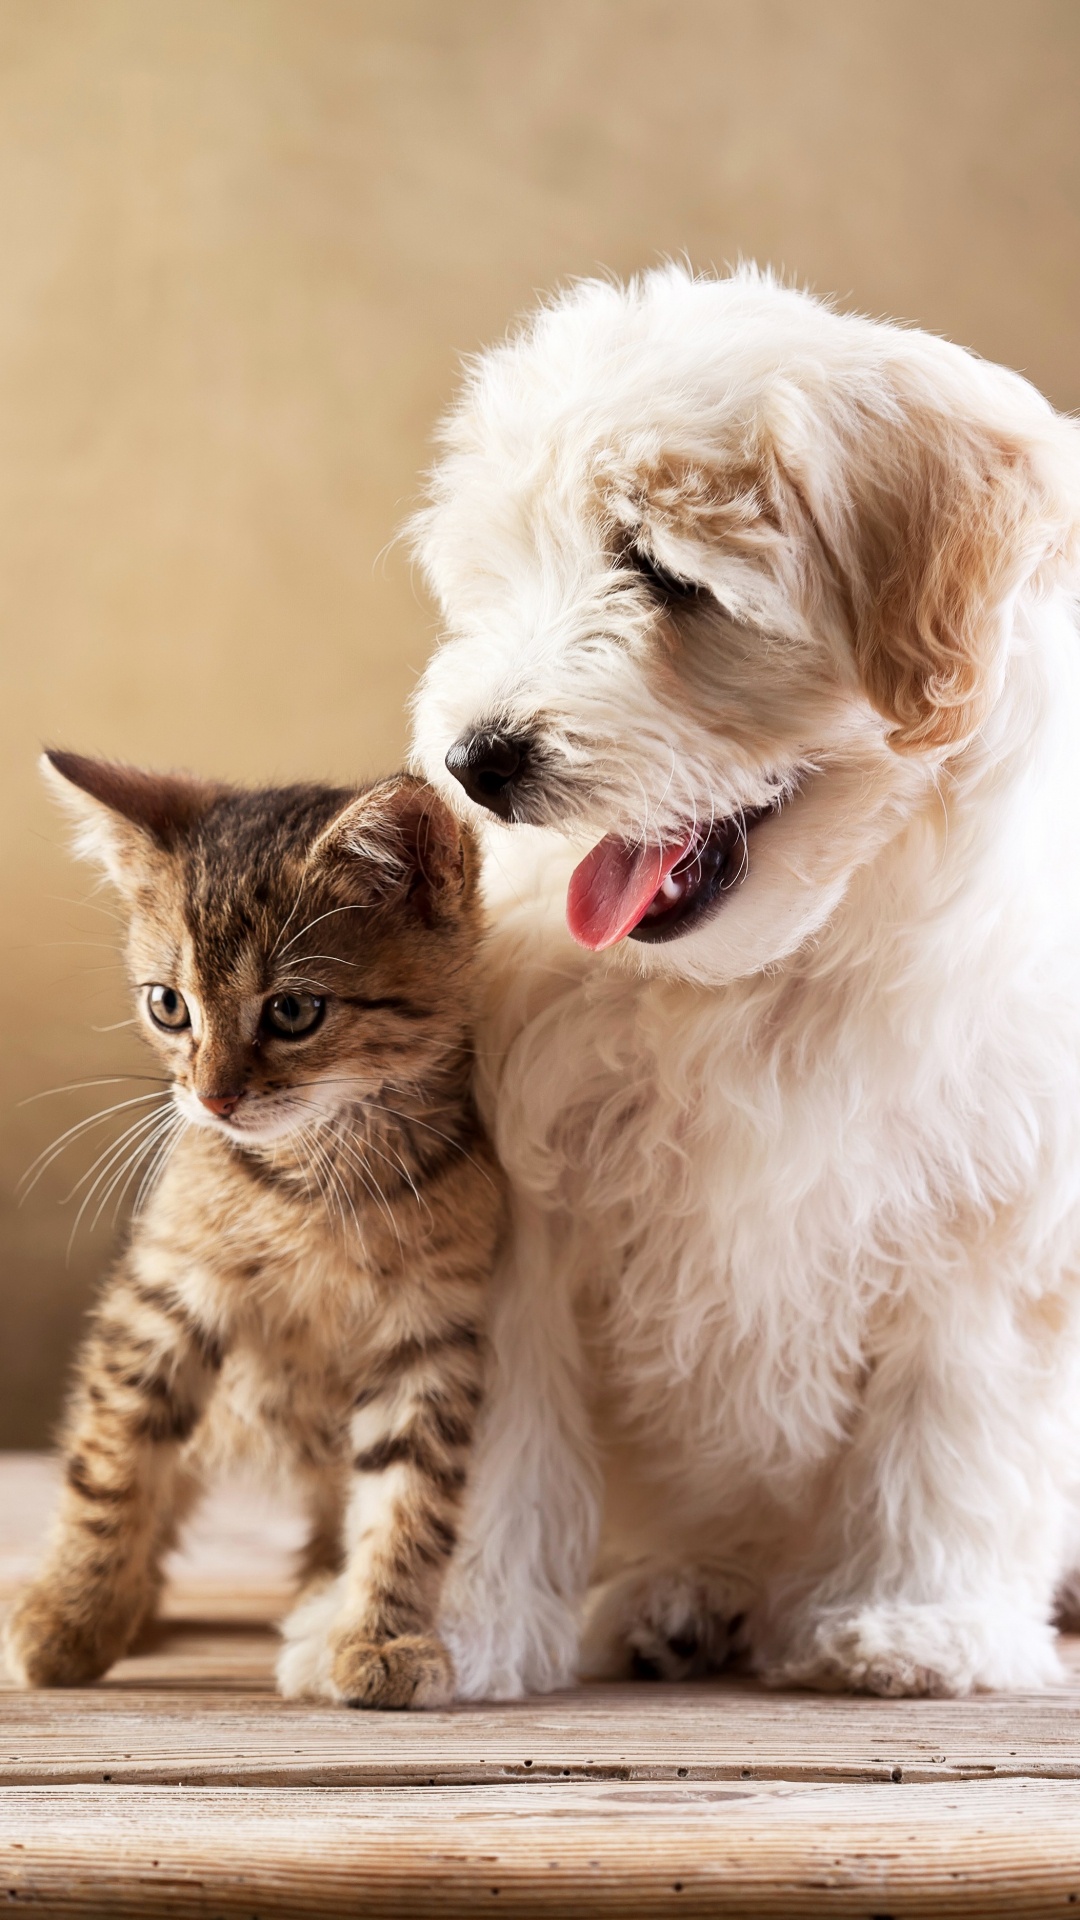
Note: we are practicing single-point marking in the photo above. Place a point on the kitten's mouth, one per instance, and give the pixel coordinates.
(246, 1126)
(624, 889)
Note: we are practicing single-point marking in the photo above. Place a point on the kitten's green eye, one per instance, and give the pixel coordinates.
(168, 1009)
(291, 1014)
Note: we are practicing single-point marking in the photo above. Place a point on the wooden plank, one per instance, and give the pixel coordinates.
(195, 1705)
(186, 1733)
(984, 1849)
(182, 1784)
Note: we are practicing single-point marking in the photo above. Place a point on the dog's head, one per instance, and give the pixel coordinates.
(726, 577)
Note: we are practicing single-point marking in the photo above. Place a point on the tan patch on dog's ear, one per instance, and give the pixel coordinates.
(736, 500)
(948, 519)
(924, 519)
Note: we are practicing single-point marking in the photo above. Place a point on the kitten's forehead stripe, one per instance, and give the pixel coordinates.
(245, 865)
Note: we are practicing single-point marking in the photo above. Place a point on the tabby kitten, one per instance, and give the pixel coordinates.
(308, 1275)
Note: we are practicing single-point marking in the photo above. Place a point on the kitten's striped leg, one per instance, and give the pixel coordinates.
(370, 1641)
(142, 1382)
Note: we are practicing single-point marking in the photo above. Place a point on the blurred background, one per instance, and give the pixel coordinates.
(243, 247)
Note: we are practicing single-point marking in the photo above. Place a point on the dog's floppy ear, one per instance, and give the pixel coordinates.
(945, 518)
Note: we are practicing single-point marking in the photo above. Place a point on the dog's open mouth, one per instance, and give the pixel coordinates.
(624, 889)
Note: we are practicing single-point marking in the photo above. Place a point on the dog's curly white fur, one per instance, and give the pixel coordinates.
(790, 1325)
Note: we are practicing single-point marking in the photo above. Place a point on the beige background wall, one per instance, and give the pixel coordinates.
(243, 244)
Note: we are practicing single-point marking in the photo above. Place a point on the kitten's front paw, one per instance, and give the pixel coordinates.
(321, 1660)
(46, 1645)
(902, 1650)
(412, 1671)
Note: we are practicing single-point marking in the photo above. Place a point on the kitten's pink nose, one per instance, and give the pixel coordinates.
(220, 1103)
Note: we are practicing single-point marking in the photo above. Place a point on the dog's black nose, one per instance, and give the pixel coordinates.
(489, 766)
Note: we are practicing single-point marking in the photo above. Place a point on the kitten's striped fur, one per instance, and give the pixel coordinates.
(319, 1295)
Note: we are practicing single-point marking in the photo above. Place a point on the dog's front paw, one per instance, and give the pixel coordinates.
(666, 1623)
(897, 1649)
(414, 1670)
(505, 1641)
(49, 1644)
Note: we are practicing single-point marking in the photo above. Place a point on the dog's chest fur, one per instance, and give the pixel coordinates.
(796, 1205)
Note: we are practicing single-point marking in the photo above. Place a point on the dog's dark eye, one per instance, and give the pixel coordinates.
(666, 586)
(290, 1014)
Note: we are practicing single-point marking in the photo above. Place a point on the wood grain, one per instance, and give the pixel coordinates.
(170, 1731)
(981, 1850)
(182, 1785)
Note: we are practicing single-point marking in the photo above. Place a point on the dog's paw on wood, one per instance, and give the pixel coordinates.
(901, 1650)
(664, 1623)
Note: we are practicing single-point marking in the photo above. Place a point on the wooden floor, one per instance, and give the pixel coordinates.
(183, 1786)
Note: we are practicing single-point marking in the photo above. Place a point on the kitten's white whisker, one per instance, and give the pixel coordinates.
(320, 1158)
(395, 1162)
(374, 1189)
(317, 922)
(354, 1151)
(369, 1100)
(116, 1145)
(118, 1157)
(123, 1175)
(105, 1157)
(380, 1199)
(48, 1154)
(333, 1182)
(299, 1144)
(306, 959)
(96, 946)
(171, 1124)
(309, 1170)
(413, 1120)
(365, 1143)
(92, 906)
(157, 1167)
(302, 1141)
(96, 1080)
(283, 929)
(346, 1195)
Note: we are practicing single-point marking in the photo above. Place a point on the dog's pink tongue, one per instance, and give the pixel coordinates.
(613, 887)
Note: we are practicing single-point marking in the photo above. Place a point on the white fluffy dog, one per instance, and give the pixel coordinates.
(773, 610)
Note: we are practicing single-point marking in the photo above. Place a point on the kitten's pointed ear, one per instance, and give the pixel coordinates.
(122, 815)
(400, 841)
